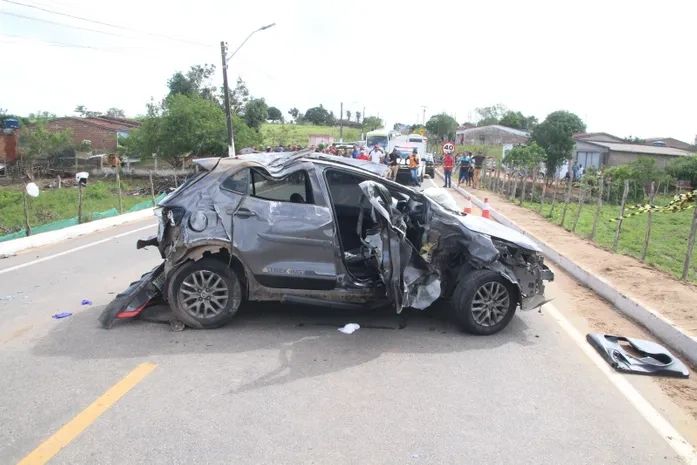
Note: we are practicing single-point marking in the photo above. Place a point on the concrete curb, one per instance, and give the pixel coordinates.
(657, 324)
(51, 237)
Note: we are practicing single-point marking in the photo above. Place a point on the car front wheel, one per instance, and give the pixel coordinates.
(204, 294)
(484, 302)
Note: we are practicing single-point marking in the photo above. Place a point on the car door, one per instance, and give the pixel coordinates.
(284, 232)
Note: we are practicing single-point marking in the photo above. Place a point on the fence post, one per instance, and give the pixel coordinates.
(554, 197)
(649, 217)
(619, 221)
(79, 202)
(515, 189)
(176, 182)
(690, 245)
(522, 192)
(598, 207)
(118, 185)
(542, 197)
(27, 228)
(152, 189)
(581, 197)
(567, 199)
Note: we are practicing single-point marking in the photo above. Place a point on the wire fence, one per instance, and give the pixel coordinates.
(612, 213)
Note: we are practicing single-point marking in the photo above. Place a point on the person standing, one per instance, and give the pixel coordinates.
(464, 169)
(363, 155)
(478, 164)
(355, 152)
(376, 154)
(393, 164)
(413, 164)
(448, 163)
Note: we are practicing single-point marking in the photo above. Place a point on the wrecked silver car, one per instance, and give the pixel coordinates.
(316, 229)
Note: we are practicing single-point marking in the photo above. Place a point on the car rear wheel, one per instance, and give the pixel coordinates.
(204, 294)
(484, 302)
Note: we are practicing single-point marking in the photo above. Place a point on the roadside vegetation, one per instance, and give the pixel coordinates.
(61, 204)
(298, 134)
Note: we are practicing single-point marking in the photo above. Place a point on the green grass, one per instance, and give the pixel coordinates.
(274, 134)
(60, 204)
(669, 232)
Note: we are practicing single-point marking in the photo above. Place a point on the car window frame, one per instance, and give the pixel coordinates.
(222, 186)
(309, 197)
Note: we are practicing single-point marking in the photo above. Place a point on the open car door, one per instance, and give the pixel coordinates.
(409, 281)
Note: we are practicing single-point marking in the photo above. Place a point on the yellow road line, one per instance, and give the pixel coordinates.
(61, 438)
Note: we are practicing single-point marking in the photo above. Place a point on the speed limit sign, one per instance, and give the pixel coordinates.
(448, 147)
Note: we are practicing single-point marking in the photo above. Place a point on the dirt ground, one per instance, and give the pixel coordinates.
(676, 398)
(655, 289)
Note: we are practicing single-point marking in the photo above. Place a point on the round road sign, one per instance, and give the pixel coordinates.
(448, 147)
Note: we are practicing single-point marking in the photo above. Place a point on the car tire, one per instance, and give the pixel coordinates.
(204, 294)
(484, 302)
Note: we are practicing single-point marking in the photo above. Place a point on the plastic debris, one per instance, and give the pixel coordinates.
(176, 325)
(85, 302)
(60, 315)
(350, 328)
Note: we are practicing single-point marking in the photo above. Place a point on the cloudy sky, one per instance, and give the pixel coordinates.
(625, 67)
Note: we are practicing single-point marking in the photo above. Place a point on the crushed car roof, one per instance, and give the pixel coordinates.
(278, 161)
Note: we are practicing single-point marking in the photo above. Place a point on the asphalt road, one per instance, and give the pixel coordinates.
(282, 386)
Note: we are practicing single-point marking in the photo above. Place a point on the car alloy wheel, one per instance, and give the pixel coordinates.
(203, 294)
(490, 303)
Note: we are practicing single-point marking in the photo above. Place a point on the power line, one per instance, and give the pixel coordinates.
(32, 18)
(102, 23)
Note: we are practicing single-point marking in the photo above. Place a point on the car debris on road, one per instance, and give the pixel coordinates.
(638, 356)
(316, 229)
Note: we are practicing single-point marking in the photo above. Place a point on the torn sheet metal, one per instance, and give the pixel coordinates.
(637, 356)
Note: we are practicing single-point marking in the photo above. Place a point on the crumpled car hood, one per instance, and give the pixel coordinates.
(494, 229)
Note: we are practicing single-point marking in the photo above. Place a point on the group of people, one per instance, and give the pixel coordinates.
(377, 155)
(469, 168)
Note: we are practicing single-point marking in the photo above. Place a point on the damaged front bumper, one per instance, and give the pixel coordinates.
(131, 302)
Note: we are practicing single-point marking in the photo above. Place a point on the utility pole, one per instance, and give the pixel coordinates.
(226, 92)
(341, 123)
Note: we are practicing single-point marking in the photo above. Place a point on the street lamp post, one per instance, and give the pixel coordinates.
(228, 114)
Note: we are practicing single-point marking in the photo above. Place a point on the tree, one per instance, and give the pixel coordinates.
(684, 169)
(348, 115)
(256, 111)
(442, 125)
(275, 114)
(85, 113)
(554, 135)
(516, 120)
(81, 110)
(525, 157)
(490, 115)
(115, 112)
(40, 116)
(186, 124)
(371, 123)
(317, 115)
(239, 96)
(196, 81)
(358, 117)
(38, 141)
(294, 113)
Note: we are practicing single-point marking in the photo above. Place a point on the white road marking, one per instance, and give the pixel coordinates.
(674, 439)
(66, 252)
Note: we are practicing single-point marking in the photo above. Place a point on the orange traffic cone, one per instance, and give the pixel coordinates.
(486, 213)
(468, 206)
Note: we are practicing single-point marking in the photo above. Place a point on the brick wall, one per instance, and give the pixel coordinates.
(102, 139)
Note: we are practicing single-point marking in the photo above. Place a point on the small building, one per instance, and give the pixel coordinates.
(102, 131)
(669, 142)
(600, 149)
(494, 134)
